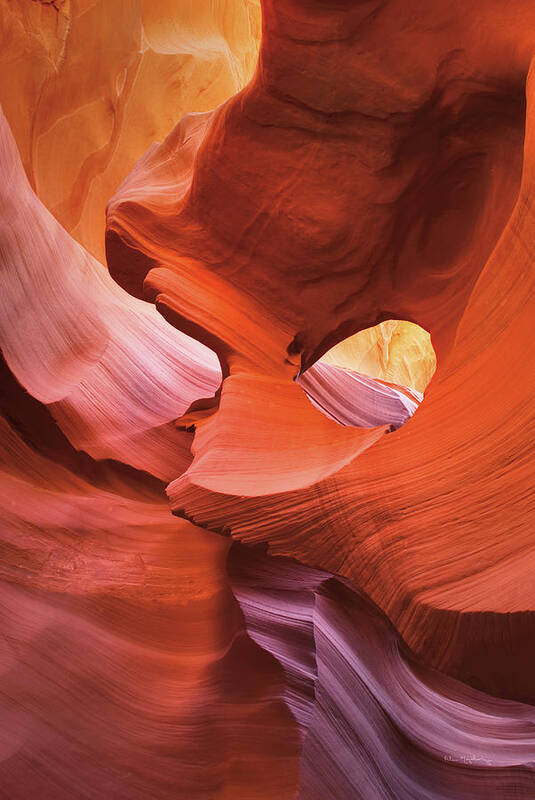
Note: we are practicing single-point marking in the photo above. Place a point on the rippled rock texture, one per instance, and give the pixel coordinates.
(267, 295)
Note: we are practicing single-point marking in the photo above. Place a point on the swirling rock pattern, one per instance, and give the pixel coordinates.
(316, 234)
(353, 399)
(375, 723)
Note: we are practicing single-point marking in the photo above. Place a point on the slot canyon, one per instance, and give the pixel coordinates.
(267, 453)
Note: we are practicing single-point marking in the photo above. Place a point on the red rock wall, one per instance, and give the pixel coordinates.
(253, 351)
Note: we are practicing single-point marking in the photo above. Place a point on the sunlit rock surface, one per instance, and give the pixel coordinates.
(89, 84)
(396, 351)
(314, 336)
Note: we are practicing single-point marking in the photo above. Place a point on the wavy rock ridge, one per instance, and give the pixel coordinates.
(374, 175)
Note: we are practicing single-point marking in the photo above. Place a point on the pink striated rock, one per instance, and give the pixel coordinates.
(376, 173)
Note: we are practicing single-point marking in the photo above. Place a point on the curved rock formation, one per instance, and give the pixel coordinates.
(124, 657)
(354, 399)
(90, 84)
(438, 231)
(375, 723)
(126, 670)
(115, 373)
(395, 351)
(368, 192)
